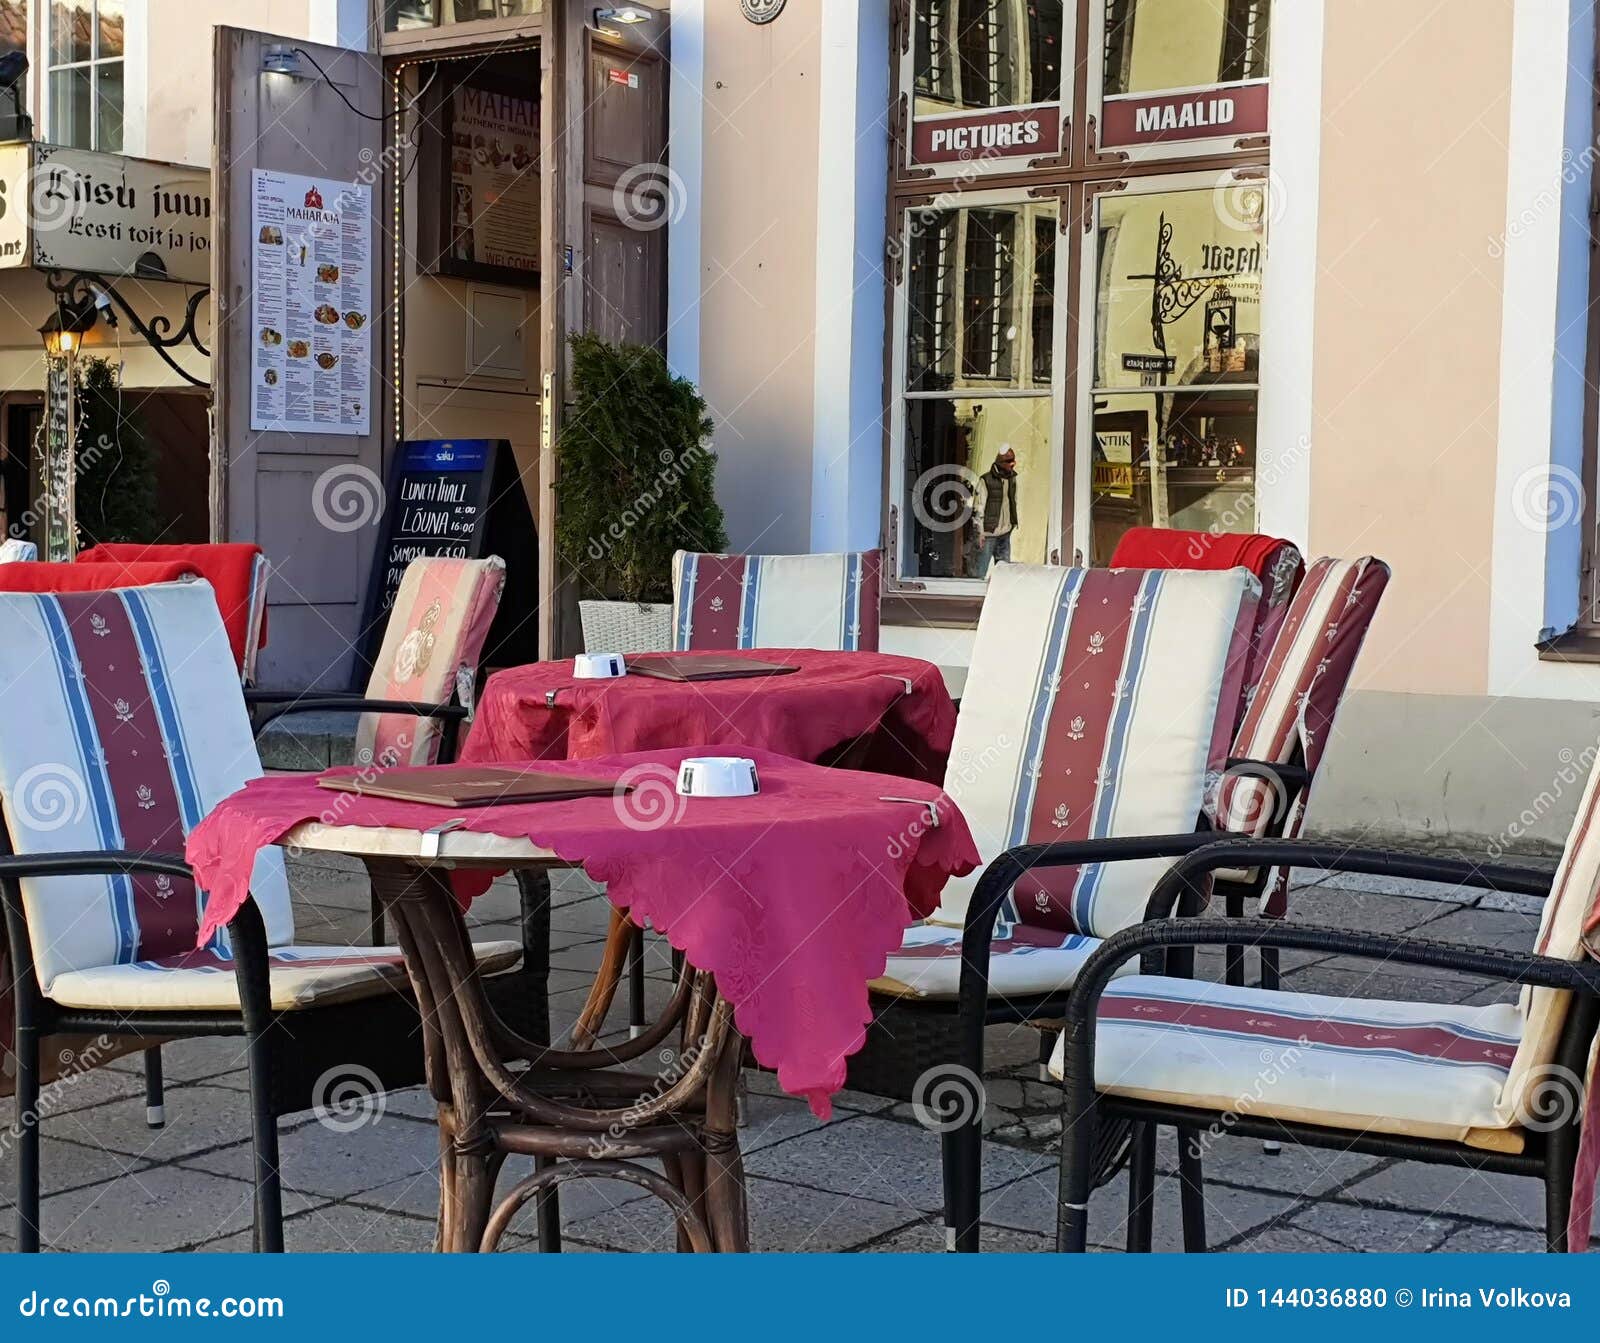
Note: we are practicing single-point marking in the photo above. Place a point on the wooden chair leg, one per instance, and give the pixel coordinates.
(155, 1107)
(1191, 1180)
(1142, 1190)
(27, 1098)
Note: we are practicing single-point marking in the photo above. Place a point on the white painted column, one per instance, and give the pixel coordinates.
(686, 157)
(1544, 253)
(1285, 437)
(852, 168)
(136, 58)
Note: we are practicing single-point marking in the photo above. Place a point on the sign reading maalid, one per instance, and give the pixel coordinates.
(76, 210)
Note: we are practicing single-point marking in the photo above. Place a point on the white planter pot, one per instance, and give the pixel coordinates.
(626, 627)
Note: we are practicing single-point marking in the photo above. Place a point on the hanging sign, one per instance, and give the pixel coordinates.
(1233, 112)
(1017, 132)
(73, 210)
(311, 307)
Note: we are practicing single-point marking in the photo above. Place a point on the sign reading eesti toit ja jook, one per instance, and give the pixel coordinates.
(75, 210)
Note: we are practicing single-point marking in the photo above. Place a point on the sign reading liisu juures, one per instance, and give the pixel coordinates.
(1015, 132)
(1232, 111)
(104, 213)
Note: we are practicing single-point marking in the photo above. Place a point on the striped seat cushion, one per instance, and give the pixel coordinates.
(1094, 707)
(127, 725)
(436, 632)
(301, 977)
(776, 601)
(1023, 961)
(1421, 1069)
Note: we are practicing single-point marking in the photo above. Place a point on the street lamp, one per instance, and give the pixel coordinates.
(63, 334)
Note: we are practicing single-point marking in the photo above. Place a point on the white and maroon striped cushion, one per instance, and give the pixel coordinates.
(437, 629)
(1305, 676)
(205, 981)
(776, 601)
(1091, 710)
(1413, 1068)
(125, 725)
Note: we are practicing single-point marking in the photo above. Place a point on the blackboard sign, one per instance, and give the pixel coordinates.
(458, 497)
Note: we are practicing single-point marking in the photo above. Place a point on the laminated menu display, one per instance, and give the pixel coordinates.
(311, 320)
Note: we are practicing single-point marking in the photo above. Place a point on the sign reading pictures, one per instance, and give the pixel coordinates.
(73, 210)
(1165, 118)
(494, 182)
(311, 314)
(1016, 132)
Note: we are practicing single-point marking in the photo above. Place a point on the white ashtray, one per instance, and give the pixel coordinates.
(598, 666)
(718, 776)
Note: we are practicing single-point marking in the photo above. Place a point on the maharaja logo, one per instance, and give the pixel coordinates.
(313, 199)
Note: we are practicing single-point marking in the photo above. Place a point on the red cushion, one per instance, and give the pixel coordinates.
(42, 577)
(1168, 548)
(228, 567)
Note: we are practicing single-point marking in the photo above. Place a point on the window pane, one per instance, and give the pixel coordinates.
(961, 509)
(109, 29)
(71, 26)
(1172, 459)
(987, 53)
(13, 37)
(980, 286)
(108, 88)
(401, 14)
(469, 11)
(1179, 287)
(69, 108)
(1153, 45)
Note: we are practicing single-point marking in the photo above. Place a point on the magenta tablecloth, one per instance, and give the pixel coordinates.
(833, 699)
(793, 899)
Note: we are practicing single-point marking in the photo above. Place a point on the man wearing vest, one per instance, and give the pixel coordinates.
(994, 507)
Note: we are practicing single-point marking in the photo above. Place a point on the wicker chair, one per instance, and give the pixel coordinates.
(128, 726)
(1499, 1088)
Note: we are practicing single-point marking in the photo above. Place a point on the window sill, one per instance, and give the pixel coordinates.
(1581, 644)
(939, 610)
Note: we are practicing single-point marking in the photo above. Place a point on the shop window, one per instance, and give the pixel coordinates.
(1155, 45)
(85, 74)
(976, 389)
(401, 15)
(1176, 361)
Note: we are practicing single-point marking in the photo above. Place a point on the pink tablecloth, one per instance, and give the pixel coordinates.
(833, 699)
(793, 899)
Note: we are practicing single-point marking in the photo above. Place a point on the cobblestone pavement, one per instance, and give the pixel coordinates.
(867, 1180)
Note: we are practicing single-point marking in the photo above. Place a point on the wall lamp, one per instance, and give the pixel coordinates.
(623, 14)
(279, 59)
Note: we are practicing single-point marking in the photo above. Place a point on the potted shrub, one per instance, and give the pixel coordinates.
(636, 480)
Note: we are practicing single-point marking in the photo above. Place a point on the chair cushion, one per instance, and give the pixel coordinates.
(302, 977)
(237, 572)
(776, 601)
(1422, 1069)
(129, 727)
(1092, 709)
(1023, 961)
(437, 628)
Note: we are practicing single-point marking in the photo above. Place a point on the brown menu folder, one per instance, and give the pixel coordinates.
(702, 667)
(471, 785)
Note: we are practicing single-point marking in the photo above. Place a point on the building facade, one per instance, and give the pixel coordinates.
(1202, 263)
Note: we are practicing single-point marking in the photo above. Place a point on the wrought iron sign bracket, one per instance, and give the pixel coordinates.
(84, 289)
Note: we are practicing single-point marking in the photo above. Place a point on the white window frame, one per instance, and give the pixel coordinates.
(92, 65)
(897, 413)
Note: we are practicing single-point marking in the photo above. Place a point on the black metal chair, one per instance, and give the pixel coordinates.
(1536, 1124)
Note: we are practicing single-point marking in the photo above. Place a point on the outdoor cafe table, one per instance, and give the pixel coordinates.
(792, 899)
(872, 710)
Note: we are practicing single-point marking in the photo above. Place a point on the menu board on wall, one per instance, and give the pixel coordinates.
(493, 204)
(312, 304)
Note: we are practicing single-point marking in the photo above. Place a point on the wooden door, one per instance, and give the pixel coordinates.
(312, 500)
(609, 198)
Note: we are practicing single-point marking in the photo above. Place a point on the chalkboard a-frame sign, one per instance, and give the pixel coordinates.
(440, 493)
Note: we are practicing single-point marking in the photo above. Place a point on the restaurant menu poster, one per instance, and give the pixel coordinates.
(311, 323)
(494, 179)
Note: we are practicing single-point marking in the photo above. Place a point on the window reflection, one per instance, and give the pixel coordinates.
(1152, 45)
(987, 53)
